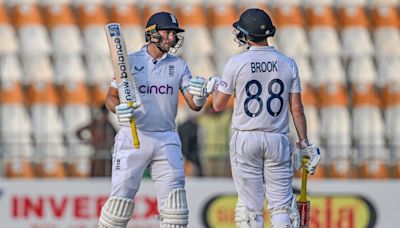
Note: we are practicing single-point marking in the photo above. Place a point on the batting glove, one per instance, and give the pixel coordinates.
(202, 87)
(212, 84)
(198, 87)
(309, 151)
(124, 111)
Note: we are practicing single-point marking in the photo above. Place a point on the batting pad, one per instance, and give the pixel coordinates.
(246, 219)
(291, 212)
(116, 212)
(175, 213)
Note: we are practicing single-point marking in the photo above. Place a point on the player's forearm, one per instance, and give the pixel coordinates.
(219, 101)
(300, 122)
(112, 99)
(191, 103)
(111, 103)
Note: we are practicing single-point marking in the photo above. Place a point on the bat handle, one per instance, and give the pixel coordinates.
(303, 192)
(135, 136)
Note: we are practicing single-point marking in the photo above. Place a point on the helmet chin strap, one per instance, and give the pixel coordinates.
(158, 45)
(156, 39)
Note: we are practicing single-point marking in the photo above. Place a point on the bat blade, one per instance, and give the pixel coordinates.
(303, 203)
(304, 211)
(127, 90)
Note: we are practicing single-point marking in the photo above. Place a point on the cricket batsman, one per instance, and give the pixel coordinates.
(159, 76)
(266, 85)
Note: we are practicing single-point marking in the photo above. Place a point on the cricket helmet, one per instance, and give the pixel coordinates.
(163, 21)
(254, 25)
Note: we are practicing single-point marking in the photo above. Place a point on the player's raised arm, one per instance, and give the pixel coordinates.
(112, 99)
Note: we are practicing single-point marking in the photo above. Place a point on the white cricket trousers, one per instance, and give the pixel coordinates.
(160, 151)
(261, 164)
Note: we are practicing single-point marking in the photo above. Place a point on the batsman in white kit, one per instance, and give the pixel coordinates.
(158, 76)
(266, 85)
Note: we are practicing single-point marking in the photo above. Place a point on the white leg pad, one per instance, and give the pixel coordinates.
(175, 213)
(291, 212)
(247, 219)
(116, 212)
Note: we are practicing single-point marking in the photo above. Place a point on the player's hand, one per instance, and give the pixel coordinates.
(198, 86)
(212, 84)
(202, 87)
(124, 111)
(309, 151)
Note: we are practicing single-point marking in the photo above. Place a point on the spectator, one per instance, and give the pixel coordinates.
(188, 132)
(215, 134)
(101, 135)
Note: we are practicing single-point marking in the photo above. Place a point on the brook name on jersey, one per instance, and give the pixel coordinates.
(261, 67)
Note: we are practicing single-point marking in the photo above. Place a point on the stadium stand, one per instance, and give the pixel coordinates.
(322, 28)
(16, 128)
(385, 22)
(292, 37)
(55, 70)
(65, 34)
(353, 21)
(127, 14)
(221, 15)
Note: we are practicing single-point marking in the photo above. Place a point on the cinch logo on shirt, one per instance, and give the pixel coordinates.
(154, 89)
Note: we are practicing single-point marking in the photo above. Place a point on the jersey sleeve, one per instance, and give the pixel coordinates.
(113, 82)
(186, 76)
(228, 78)
(295, 86)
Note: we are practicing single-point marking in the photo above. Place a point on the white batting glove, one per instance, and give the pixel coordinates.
(124, 111)
(202, 87)
(198, 86)
(309, 151)
(212, 84)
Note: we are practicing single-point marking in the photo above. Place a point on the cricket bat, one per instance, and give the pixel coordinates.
(127, 90)
(303, 203)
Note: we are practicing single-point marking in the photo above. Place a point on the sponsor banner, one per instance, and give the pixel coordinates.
(76, 203)
(66, 203)
(326, 211)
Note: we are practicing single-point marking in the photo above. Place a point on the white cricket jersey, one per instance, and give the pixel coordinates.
(158, 82)
(261, 80)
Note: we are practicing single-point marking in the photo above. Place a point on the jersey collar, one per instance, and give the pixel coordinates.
(149, 57)
(262, 48)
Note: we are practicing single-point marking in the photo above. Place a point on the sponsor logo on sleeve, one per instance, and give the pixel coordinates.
(222, 84)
